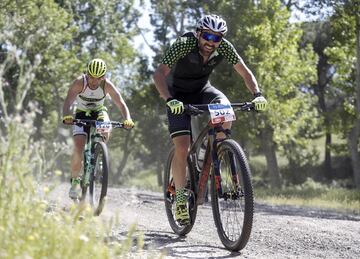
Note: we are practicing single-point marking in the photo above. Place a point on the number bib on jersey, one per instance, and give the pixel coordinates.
(103, 126)
(221, 113)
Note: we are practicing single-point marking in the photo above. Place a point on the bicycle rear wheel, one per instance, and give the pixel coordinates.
(170, 197)
(233, 209)
(99, 178)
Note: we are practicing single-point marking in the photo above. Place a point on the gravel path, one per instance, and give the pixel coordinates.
(278, 231)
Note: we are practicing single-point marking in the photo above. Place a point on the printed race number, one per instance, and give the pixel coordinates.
(221, 113)
(103, 126)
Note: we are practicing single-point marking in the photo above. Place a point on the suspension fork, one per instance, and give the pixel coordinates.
(215, 158)
(216, 166)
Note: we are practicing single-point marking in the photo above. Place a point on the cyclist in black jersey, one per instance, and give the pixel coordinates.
(183, 78)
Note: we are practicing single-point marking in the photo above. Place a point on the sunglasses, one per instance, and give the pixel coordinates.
(211, 37)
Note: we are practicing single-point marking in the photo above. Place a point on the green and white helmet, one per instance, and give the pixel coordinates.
(97, 68)
(212, 22)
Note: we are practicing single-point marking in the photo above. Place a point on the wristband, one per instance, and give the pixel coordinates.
(67, 117)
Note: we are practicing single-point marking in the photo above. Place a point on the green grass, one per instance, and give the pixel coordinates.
(145, 180)
(32, 228)
(312, 194)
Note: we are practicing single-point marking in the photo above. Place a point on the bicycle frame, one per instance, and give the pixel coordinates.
(89, 155)
(210, 131)
(94, 138)
(211, 157)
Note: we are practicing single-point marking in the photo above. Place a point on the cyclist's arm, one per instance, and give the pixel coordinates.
(248, 76)
(73, 91)
(160, 81)
(230, 53)
(117, 99)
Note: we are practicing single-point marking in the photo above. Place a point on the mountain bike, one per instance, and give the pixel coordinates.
(96, 163)
(231, 187)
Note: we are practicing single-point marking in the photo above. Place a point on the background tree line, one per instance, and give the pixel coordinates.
(308, 71)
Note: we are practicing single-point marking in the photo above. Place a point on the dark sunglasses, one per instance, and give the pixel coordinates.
(210, 37)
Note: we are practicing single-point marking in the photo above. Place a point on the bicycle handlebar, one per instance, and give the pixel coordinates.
(196, 109)
(82, 122)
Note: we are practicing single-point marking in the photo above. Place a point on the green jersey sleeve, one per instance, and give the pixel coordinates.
(229, 52)
(179, 49)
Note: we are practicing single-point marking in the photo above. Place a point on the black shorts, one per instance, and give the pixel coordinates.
(180, 124)
(100, 115)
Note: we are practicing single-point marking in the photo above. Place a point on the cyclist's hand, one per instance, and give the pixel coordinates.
(176, 107)
(128, 124)
(68, 119)
(260, 103)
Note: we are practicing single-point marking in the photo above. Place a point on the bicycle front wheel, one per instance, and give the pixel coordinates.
(170, 197)
(233, 206)
(99, 178)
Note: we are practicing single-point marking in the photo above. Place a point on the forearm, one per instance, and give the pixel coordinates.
(66, 108)
(248, 76)
(124, 110)
(252, 84)
(161, 85)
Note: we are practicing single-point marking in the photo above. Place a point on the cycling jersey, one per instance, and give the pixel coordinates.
(188, 72)
(90, 99)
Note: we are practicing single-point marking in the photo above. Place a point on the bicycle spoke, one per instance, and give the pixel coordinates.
(232, 203)
(233, 206)
(170, 199)
(99, 179)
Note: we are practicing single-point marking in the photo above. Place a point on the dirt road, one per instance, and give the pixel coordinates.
(278, 231)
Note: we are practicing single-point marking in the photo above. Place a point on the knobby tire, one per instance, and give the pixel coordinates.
(169, 197)
(99, 177)
(239, 203)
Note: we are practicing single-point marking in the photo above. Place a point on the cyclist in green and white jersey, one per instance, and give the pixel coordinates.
(89, 91)
(183, 77)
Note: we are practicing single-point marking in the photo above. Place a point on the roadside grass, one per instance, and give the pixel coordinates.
(146, 180)
(332, 198)
(31, 228)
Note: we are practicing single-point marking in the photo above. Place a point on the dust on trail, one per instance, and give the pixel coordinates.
(278, 231)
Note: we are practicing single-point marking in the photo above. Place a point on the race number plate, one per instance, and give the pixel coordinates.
(221, 113)
(103, 126)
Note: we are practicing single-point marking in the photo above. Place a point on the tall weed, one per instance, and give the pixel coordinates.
(29, 228)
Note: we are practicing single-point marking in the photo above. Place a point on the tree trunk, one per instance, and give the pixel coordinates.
(327, 162)
(323, 79)
(354, 133)
(159, 171)
(270, 154)
(355, 161)
(117, 175)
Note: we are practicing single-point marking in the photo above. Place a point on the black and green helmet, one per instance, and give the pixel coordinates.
(97, 68)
